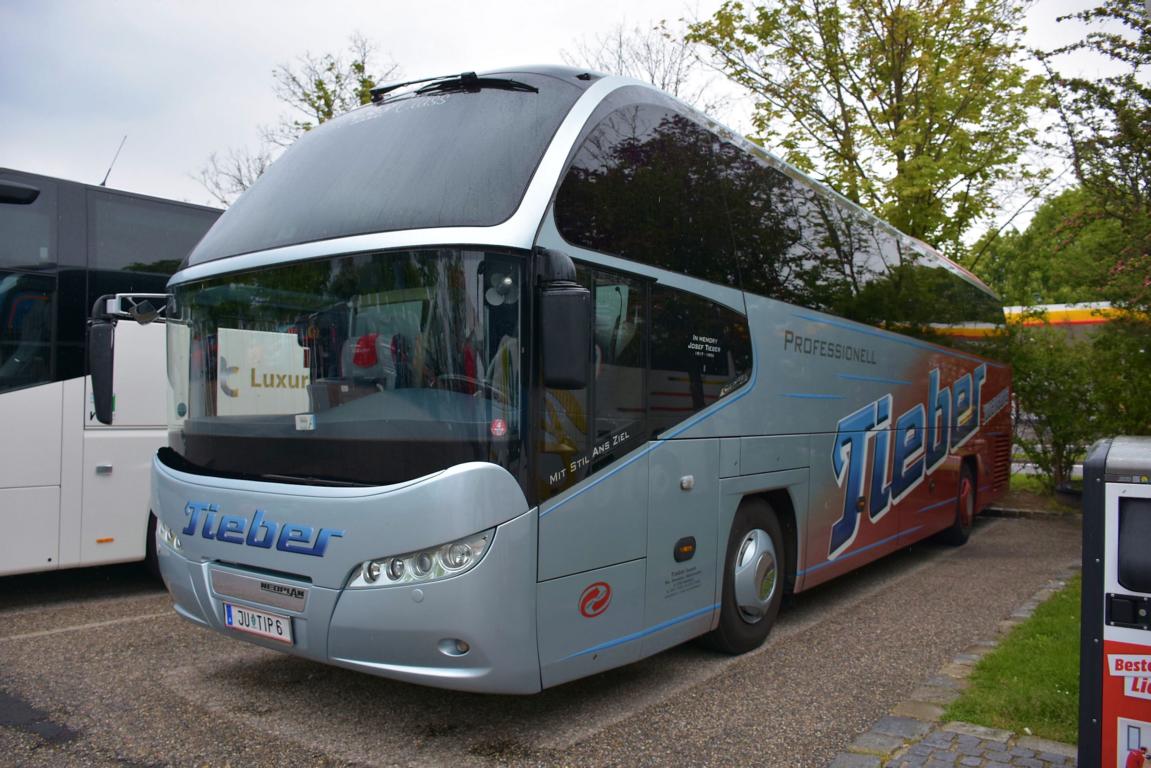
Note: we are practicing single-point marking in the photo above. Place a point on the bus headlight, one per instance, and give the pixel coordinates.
(440, 562)
(167, 535)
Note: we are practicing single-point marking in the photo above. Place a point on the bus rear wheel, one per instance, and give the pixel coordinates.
(960, 530)
(753, 578)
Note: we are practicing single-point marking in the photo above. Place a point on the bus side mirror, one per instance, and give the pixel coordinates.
(101, 353)
(565, 322)
(565, 335)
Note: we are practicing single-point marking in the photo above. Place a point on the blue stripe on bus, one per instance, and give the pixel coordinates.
(859, 551)
(893, 336)
(803, 396)
(876, 379)
(655, 444)
(643, 632)
(937, 505)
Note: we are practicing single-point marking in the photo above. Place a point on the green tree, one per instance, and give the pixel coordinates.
(1108, 125)
(1121, 368)
(316, 89)
(916, 109)
(1058, 406)
(1064, 256)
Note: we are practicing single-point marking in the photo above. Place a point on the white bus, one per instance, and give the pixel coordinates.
(504, 380)
(73, 491)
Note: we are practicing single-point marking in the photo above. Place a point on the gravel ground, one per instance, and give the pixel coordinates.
(96, 670)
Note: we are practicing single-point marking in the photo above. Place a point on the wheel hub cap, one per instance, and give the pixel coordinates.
(756, 577)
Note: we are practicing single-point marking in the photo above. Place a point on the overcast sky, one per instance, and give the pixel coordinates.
(184, 79)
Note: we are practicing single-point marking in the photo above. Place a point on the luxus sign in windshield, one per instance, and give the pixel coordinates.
(261, 373)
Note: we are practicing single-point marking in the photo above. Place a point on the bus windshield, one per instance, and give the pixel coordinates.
(366, 369)
(417, 160)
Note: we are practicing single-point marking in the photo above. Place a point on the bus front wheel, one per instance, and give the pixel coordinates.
(753, 578)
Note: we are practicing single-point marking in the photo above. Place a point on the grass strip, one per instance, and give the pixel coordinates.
(1030, 683)
(1028, 484)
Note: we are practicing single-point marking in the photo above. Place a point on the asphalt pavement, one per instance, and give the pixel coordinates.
(96, 669)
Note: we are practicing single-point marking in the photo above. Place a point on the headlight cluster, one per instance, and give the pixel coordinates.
(167, 535)
(440, 562)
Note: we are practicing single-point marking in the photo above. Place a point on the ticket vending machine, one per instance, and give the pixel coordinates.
(1115, 638)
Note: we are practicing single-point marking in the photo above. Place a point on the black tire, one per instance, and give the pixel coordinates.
(150, 560)
(965, 508)
(738, 632)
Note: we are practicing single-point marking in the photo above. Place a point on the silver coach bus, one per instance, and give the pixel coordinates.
(504, 380)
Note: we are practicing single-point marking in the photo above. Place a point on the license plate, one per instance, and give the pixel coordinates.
(269, 625)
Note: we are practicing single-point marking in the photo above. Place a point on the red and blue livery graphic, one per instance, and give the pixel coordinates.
(899, 458)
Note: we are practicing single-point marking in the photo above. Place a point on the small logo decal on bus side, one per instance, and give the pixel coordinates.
(595, 599)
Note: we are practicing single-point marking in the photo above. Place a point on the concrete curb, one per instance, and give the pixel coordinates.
(1030, 514)
(914, 736)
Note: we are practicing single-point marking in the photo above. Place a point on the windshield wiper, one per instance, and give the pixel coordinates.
(309, 480)
(466, 81)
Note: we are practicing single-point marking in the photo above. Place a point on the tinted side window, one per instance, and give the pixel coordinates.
(28, 232)
(620, 360)
(141, 236)
(28, 283)
(794, 243)
(700, 353)
(27, 306)
(643, 186)
(763, 223)
(799, 244)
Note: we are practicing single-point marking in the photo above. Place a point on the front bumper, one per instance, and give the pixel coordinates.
(408, 632)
